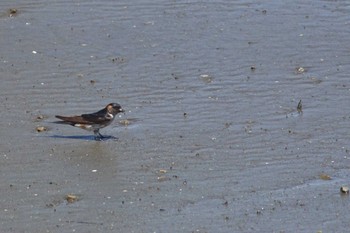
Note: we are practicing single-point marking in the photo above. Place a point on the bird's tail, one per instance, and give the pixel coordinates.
(63, 121)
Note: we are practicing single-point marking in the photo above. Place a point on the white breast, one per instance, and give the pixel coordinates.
(109, 116)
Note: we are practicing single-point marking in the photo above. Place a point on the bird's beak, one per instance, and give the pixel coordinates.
(121, 110)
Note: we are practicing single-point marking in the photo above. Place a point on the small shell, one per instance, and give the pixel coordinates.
(70, 198)
(12, 12)
(206, 78)
(40, 129)
(40, 117)
(300, 70)
(344, 190)
(125, 122)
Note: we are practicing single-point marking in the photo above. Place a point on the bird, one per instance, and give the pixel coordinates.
(93, 121)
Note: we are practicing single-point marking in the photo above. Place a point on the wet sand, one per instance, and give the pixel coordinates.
(214, 142)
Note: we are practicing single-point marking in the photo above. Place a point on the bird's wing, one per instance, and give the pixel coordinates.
(76, 119)
(91, 118)
(96, 118)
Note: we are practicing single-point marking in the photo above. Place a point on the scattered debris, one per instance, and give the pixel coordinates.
(125, 122)
(12, 12)
(228, 124)
(315, 80)
(163, 178)
(344, 190)
(300, 70)
(118, 60)
(300, 107)
(252, 68)
(40, 117)
(54, 203)
(40, 129)
(70, 198)
(175, 76)
(324, 176)
(206, 78)
(162, 171)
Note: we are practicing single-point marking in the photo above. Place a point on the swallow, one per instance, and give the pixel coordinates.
(93, 121)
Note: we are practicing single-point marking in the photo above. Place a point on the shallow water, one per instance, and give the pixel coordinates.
(215, 142)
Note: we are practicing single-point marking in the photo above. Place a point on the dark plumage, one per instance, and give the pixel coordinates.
(93, 121)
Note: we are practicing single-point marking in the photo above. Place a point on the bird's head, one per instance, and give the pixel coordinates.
(114, 108)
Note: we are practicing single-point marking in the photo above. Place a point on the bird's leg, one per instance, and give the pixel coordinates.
(98, 136)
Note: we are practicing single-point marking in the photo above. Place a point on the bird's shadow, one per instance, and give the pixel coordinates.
(85, 138)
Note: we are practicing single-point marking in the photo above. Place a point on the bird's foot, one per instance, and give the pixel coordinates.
(104, 138)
